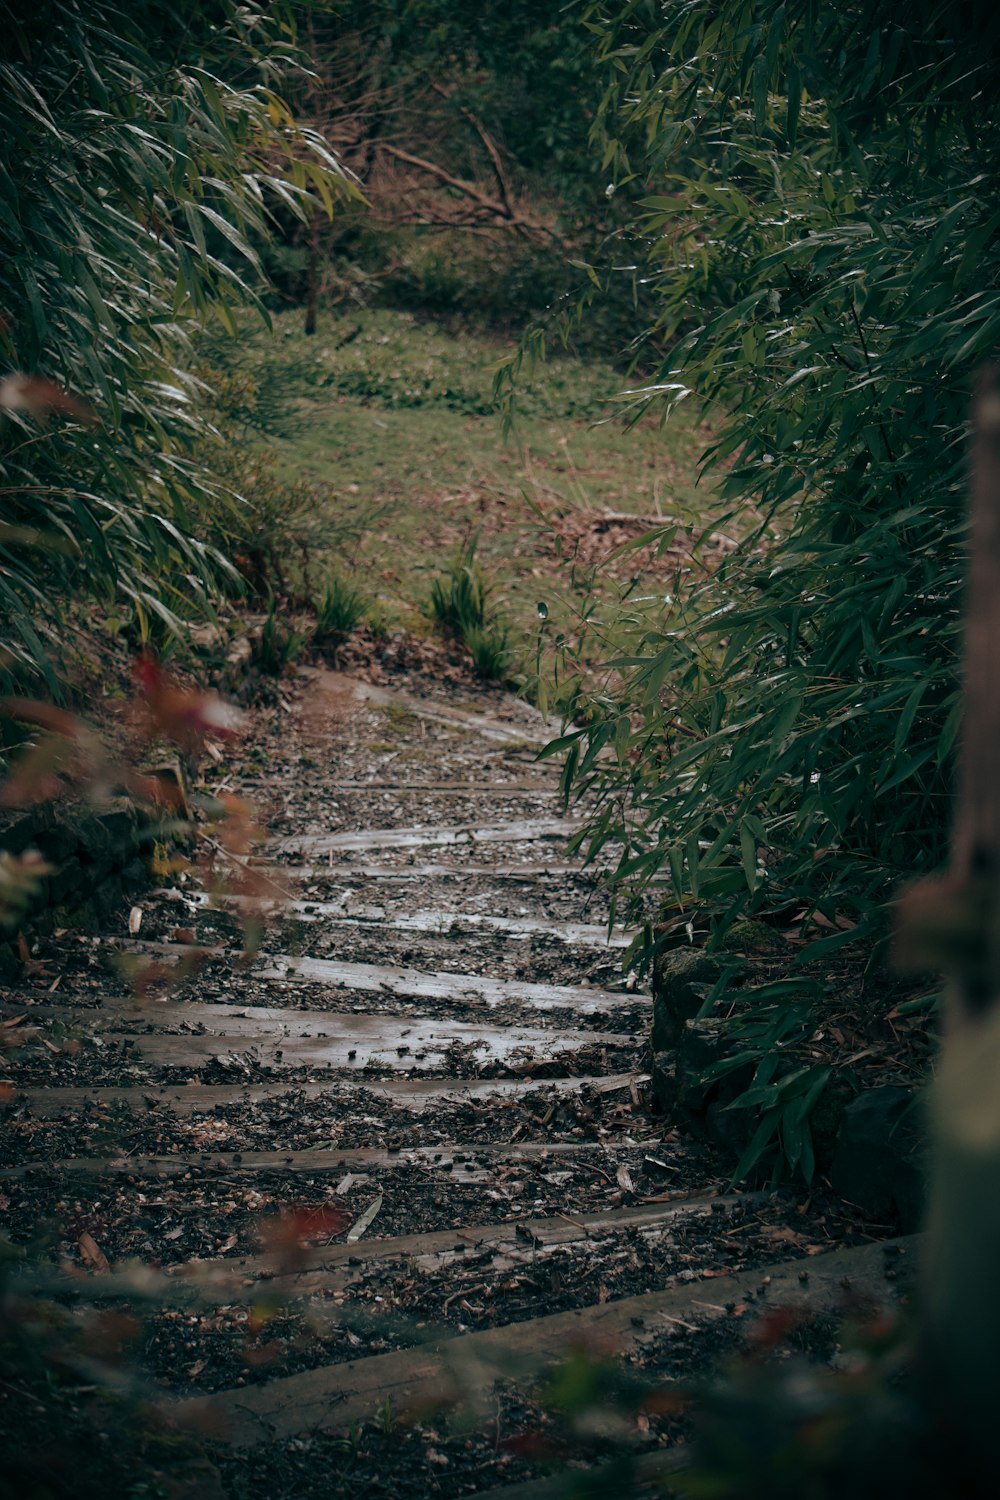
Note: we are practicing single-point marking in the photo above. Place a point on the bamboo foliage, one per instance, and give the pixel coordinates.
(143, 152)
(819, 226)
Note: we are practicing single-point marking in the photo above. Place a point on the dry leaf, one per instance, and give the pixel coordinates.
(93, 1255)
(135, 920)
(365, 1220)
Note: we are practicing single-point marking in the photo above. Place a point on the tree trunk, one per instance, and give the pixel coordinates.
(954, 923)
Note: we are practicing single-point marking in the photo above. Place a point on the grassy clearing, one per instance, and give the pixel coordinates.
(392, 420)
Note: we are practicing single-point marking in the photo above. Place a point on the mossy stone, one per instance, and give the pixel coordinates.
(682, 981)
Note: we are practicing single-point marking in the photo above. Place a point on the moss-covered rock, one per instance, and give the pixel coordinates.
(683, 979)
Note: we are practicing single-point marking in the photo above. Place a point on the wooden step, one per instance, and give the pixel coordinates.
(547, 787)
(535, 733)
(447, 1369)
(321, 1269)
(432, 922)
(517, 874)
(603, 1480)
(521, 831)
(446, 985)
(415, 1094)
(286, 1038)
(460, 1163)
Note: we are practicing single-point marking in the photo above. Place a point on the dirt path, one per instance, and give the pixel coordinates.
(416, 1119)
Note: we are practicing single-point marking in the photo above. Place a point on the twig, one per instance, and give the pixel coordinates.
(493, 205)
(463, 1292)
(246, 863)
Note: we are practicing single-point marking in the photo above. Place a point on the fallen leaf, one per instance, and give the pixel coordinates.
(135, 920)
(93, 1255)
(624, 1179)
(358, 1229)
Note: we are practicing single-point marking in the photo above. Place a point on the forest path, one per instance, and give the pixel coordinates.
(405, 1154)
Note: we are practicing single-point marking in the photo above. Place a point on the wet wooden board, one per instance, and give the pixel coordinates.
(520, 831)
(415, 1094)
(603, 1479)
(542, 786)
(447, 1368)
(281, 1040)
(286, 1038)
(434, 923)
(526, 874)
(525, 1234)
(442, 985)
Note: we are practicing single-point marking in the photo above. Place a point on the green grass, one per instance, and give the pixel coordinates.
(392, 420)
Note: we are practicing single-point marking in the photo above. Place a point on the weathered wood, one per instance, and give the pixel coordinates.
(520, 831)
(542, 786)
(446, 1369)
(461, 1163)
(417, 984)
(413, 984)
(434, 923)
(518, 874)
(603, 1480)
(287, 1038)
(349, 689)
(416, 1094)
(325, 1268)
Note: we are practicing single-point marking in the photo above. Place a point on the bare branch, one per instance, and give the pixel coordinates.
(518, 221)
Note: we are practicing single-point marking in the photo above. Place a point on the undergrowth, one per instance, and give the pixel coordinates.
(460, 606)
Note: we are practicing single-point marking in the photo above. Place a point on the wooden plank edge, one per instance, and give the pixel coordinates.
(317, 1161)
(416, 1093)
(437, 1374)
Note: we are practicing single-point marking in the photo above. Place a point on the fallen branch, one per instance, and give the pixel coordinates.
(530, 227)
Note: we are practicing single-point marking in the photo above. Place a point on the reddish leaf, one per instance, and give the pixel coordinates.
(38, 396)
